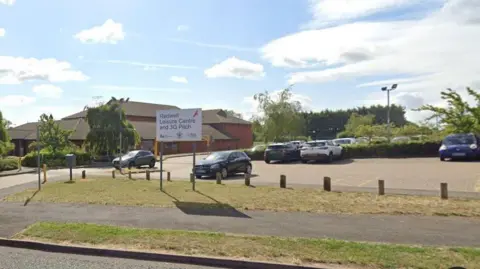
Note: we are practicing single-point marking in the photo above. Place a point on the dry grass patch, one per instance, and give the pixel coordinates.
(147, 193)
(278, 249)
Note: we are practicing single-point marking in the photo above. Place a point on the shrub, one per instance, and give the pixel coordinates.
(8, 163)
(380, 150)
(55, 159)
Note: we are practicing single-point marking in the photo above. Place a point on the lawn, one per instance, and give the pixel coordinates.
(278, 249)
(146, 193)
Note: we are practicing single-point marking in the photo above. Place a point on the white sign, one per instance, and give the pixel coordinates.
(179, 125)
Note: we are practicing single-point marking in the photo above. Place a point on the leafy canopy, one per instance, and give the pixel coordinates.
(5, 145)
(52, 137)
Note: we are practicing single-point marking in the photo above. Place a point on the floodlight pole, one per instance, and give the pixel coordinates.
(388, 90)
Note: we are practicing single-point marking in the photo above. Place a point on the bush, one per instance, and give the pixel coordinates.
(55, 159)
(8, 163)
(380, 150)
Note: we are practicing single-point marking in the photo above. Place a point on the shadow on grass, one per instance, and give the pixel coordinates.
(230, 177)
(30, 198)
(207, 209)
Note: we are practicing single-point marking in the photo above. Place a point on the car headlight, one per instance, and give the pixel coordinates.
(443, 147)
(215, 166)
(473, 146)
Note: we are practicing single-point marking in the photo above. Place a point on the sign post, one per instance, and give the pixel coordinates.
(179, 125)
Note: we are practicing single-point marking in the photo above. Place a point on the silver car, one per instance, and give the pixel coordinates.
(136, 158)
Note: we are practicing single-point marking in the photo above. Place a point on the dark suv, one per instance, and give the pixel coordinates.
(281, 152)
(225, 162)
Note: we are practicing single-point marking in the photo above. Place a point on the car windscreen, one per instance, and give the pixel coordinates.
(315, 144)
(460, 139)
(217, 156)
(276, 147)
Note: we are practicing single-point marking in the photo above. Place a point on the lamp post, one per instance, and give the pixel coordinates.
(388, 90)
(121, 101)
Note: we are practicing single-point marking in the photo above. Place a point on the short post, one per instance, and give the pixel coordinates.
(247, 179)
(168, 176)
(381, 187)
(84, 174)
(19, 163)
(44, 173)
(444, 191)
(191, 177)
(283, 181)
(327, 184)
(113, 173)
(130, 174)
(148, 174)
(219, 178)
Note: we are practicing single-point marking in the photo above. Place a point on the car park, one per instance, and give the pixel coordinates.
(283, 152)
(321, 150)
(460, 146)
(136, 158)
(225, 162)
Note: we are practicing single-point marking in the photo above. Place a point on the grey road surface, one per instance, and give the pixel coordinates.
(32, 259)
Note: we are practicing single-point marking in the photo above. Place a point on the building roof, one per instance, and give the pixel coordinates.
(147, 130)
(139, 109)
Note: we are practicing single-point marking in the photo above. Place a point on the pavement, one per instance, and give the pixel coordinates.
(32, 259)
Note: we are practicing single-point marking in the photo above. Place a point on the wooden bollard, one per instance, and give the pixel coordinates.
(113, 173)
(219, 178)
(168, 177)
(444, 191)
(44, 173)
(192, 177)
(327, 184)
(381, 187)
(147, 174)
(283, 181)
(84, 174)
(247, 179)
(130, 174)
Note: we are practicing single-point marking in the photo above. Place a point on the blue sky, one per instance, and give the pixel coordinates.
(56, 55)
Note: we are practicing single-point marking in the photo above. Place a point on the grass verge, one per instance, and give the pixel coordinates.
(210, 195)
(278, 249)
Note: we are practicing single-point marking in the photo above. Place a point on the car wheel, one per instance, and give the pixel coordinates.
(198, 176)
(341, 155)
(330, 157)
(267, 161)
(130, 165)
(224, 173)
(152, 164)
(442, 159)
(248, 170)
(304, 161)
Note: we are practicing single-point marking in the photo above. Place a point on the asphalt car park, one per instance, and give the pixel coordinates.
(409, 173)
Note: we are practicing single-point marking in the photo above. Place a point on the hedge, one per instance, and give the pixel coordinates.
(383, 150)
(8, 163)
(55, 160)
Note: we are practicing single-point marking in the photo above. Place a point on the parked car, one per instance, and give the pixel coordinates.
(345, 141)
(225, 162)
(321, 150)
(281, 152)
(136, 158)
(298, 143)
(460, 146)
(401, 139)
(258, 148)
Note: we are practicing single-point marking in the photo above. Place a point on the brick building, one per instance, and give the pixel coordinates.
(226, 132)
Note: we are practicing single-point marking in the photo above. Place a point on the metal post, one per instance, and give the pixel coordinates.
(388, 113)
(120, 136)
(194, 161)
(38, 157)
(161, 165)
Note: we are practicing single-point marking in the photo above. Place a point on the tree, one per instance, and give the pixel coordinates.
(232, 113)
(354, 122)
(280, 118)
(106, 122)
(458, 116)
(52, 137)
(371, 131)
(5, 145)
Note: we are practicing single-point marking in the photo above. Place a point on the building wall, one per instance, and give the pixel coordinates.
(242, 132)
(141, 118)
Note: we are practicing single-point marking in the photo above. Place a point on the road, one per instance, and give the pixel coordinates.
(32, 259)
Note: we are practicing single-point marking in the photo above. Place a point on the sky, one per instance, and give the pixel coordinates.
(59, 56)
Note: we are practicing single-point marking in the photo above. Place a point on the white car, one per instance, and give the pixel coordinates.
(343, 141)
(319, 150)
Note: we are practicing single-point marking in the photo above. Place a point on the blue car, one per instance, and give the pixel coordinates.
(460, 146)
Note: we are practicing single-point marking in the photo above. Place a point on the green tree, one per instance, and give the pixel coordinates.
(354, 122)
(5, 145)
(52, 137)
(281, 119)
(232, 113)
(371, 131)
(106, 122)
(458, 116)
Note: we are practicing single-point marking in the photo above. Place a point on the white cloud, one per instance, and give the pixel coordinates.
(182, 28)
(15, 100)
(15, 70)
(7, 2)
(179, 79)
(48, 91)
(151, 66)
(2, 32)
(213, 46)
(110, 33)
(136, 88)
(424, 53)
(235, 68)
(251, 105)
